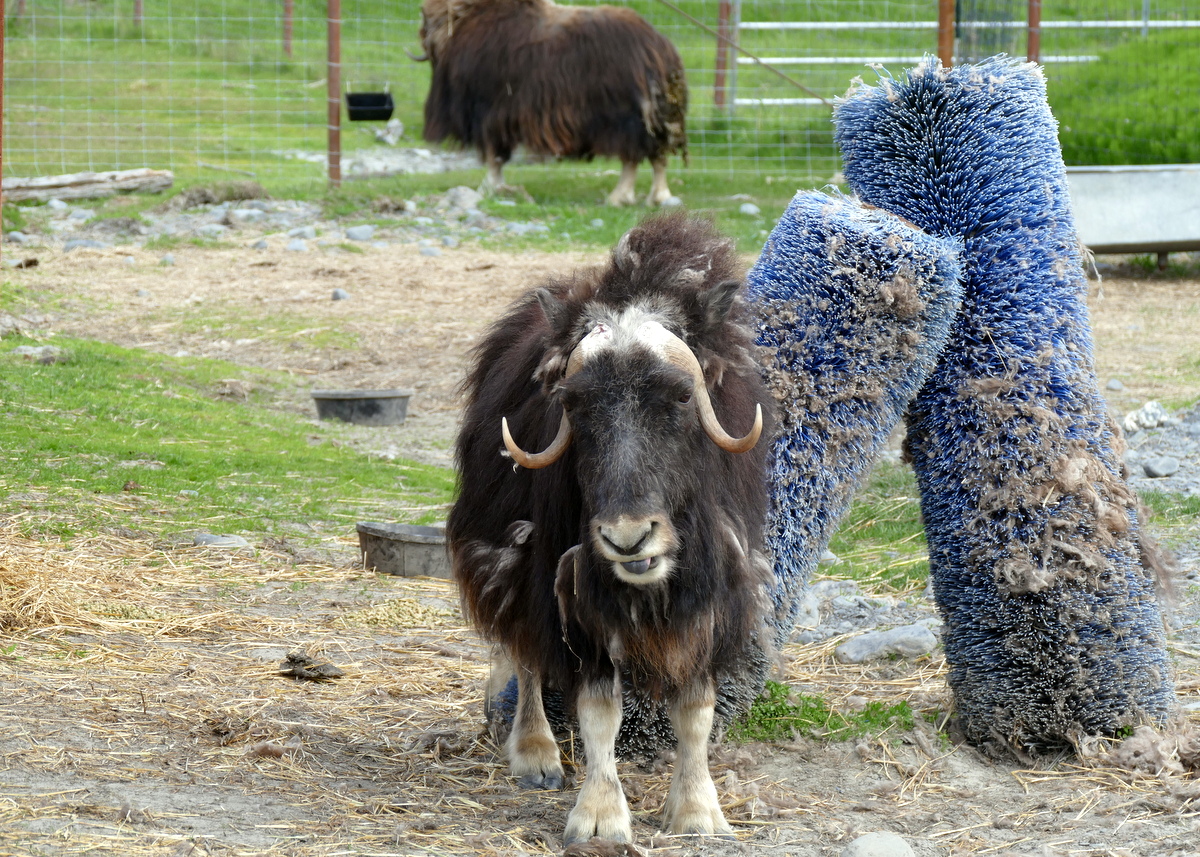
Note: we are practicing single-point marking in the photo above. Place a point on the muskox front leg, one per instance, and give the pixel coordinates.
(692, 805)
(624, 192)
(532, 751)
(601, 809)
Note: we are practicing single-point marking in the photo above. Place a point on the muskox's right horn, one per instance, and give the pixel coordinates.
(552, 453)
(535, 460)
(422, 58)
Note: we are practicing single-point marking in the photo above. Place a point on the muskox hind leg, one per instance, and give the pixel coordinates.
(692, 804)
(532, 751)
(659, 192)
(601, 809)
(623, 193)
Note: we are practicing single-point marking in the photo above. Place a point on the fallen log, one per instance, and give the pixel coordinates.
(87, 185)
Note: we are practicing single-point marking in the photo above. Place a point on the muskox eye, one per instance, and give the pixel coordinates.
(685, 397)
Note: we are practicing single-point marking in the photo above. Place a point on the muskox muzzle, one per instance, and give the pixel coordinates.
(675, 351)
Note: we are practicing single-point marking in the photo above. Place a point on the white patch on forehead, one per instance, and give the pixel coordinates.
(624, 329)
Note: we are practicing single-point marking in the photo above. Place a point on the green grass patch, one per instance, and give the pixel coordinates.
(1136, 105)
(119, 436)
(781, 713)
(881, 542)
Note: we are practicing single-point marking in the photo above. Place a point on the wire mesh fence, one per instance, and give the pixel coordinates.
(211, 87)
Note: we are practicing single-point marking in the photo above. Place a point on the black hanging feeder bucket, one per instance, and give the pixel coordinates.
(370, 106)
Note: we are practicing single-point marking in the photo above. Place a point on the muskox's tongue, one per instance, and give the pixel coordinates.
(638, 566)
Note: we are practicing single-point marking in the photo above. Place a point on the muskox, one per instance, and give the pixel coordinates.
(627, 549)
(563, 81)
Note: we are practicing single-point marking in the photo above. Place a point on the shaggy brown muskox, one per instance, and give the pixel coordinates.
(563, 81)
(633, 544)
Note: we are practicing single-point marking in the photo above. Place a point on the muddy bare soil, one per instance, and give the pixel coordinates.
(143, 712)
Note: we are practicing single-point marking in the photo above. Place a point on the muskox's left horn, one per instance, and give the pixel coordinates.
(535, 460)
(677, 351)
(422, 58)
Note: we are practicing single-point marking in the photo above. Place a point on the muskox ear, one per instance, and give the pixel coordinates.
(718, 301)
(555, 310)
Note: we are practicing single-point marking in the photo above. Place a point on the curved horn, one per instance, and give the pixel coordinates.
(536, 460)
(422, 58)
(552, 453)
(678, 353)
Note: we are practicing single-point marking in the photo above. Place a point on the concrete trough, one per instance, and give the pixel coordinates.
(406, 550)
(1147, 209)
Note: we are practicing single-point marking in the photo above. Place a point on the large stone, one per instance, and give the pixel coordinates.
(909, 641)
(878, 844)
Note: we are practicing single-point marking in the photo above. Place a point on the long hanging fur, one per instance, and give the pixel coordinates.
(563, 81)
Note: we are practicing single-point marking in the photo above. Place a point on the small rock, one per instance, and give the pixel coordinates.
(1161, 466)
(463, 197)
(143, 293)
(829, 558)
(1114, 385)
(305, 232)
(247, 215)
(85, 244)
(340, 294)
(749, 209)
(1148, 416)
(671, 202)
(211, 540)
(57, 205)
(16, 237)
(909, 641)
(362, 232)
(430, 251)
(187, 492)
(40, 353)
(596, 223)
(297, 245)
(167, 260)
(391, 132)
(878, 844)
(260, 244)
(82, 214)
(423, 221)
(213, 230)
(449, 241)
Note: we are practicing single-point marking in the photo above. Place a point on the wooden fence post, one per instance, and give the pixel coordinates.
(946, 24)
(333, 91)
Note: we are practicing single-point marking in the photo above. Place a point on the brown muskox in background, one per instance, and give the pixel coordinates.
(562, 81)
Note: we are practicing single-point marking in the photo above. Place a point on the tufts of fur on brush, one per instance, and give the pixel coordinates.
(853, 308)
(1041, 568)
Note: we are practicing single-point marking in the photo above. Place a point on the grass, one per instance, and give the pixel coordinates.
(1154, 121)
(881, 542)
(782, 713)
(113, 436)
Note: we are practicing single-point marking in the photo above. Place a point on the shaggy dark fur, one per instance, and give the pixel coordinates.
(514, 532)
(563, 81)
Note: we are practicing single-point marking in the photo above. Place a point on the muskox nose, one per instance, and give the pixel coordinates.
(625, 537)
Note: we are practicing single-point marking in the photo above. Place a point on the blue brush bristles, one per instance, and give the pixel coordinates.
(853, 308)
(1043, 575)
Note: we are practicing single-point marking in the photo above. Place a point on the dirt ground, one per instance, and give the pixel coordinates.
(143, 709)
